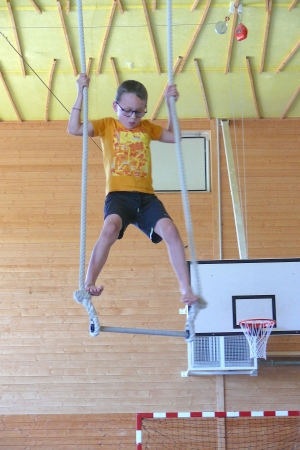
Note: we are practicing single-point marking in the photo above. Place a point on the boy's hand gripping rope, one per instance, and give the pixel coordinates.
(194, 309)
(82, 296)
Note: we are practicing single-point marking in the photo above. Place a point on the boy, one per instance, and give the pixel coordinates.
(130, 195)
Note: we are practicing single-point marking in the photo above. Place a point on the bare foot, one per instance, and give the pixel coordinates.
(189, 298)
(95, 291)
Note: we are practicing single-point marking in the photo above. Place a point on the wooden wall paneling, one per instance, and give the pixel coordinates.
(48, 363)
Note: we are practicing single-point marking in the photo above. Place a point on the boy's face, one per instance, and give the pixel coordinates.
(129, 102)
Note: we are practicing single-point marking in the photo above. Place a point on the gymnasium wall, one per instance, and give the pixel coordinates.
(58, 385)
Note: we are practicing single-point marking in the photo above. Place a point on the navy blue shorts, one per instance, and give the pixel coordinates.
(136, 208)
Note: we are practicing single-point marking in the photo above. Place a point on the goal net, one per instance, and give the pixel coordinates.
(259, 430)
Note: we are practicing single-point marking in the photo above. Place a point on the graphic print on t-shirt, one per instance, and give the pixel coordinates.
(131, 154)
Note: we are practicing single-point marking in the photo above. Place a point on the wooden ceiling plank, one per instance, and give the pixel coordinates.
(290, 103)
(194, 5)
(202, 88)
(16, 37)
(67, 38)
(115, 71)
(292, 5)
(111, 16)
(263, 56)
(252, 86)
(288, 57)
(10, 97)
(195, 35)
(49, 90)
(120, 7)
(151, 37)
(175, 67)
(232, 36)
(88, 66)
(36, 6)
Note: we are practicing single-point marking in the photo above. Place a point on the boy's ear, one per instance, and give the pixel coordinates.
(115, 106)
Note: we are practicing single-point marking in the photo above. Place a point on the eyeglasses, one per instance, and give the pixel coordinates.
(128, 112)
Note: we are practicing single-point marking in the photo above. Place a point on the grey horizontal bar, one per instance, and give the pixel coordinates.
(143, 331)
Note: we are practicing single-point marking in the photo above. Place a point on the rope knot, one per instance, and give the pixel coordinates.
(84, 298)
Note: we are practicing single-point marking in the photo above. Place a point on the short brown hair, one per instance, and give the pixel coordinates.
(132, 87)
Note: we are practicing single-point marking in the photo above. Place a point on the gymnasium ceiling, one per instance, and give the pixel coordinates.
(217, 76)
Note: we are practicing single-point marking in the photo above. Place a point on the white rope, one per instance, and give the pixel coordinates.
(82, 296)
(194, 309)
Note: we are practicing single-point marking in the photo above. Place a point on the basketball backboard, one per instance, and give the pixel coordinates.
(247, 289)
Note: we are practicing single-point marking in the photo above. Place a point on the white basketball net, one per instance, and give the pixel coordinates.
(257, 332)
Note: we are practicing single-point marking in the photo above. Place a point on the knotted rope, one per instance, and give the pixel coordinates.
(194, 309)
(82, 296)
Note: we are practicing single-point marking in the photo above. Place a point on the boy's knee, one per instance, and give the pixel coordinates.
(111, 229)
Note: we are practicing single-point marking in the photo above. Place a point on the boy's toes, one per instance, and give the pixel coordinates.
(95, 291)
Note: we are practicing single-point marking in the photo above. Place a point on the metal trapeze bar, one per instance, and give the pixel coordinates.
(171, 333)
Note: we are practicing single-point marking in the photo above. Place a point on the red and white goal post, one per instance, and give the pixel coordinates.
(231, 430)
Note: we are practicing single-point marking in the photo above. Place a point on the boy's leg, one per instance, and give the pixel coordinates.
(168, 231)
(109, 235)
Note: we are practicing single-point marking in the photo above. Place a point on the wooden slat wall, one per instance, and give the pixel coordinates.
(49, 365)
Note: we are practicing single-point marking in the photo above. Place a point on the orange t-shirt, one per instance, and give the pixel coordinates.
(126, 154)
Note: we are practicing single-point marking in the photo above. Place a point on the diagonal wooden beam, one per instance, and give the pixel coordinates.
(263, 56)
(151, 36)
(49, 90)
(202, 88)
(288, 57)
(16, 37)
(290, 103)
(252, 86)
(88, 66)
(292, 5)
(175, 67)
(194, 5)
(36, 6)
(10, 97)
(232, 35)
(67, 38)
(115, 71)
(110, 19)
(208, 2)
(120, 6)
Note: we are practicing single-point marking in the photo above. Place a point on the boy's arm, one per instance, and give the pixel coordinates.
(75, 125)
(168, 133)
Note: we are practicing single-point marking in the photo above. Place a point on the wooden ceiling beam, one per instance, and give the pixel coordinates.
(292, 5)
(110, 19)
(202, 88)
(49, 90)
(232, 36)
(263, 56)
(153, 5)
(288, 57)
(16, 37)
(175, 67)
(194, 6)
(252, 87)
(68, 5)
(10, 97)
(88, 66)
(67, 38)
(290, 103)
(195, 35)
(115, 71)
(120, 6)
(151, 37)
(36, 6)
